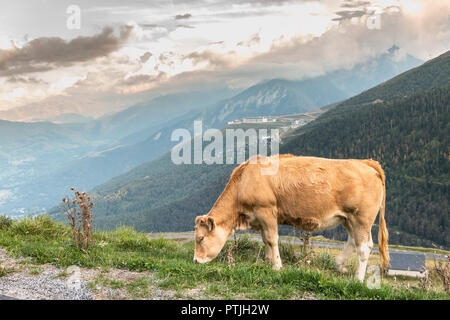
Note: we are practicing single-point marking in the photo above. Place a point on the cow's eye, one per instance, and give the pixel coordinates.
(201, 239)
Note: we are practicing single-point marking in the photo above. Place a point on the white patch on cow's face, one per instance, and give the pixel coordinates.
(208, 241)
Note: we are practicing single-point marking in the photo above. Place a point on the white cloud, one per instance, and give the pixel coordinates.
(4, 196)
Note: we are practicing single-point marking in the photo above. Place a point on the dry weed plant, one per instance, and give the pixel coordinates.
(425, 283)
(305, 237)
(79, 212)
(442, 270)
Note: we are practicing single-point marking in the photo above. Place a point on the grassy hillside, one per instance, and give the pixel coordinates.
(239, 272)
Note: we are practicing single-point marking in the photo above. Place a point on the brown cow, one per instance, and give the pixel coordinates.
(311, 194)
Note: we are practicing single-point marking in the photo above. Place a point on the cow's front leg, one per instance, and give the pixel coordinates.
(269, 234)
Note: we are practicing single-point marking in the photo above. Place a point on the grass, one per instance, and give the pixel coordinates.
(35, 270)
(138, 288)
(5, 271)
(246, 276)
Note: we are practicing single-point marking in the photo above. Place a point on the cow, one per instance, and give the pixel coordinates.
(309, 193)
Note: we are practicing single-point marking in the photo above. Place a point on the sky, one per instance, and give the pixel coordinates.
(121, 52)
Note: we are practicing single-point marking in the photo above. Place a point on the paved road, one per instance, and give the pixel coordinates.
(320, 244)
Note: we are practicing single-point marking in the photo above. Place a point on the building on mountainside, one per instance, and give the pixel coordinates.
(287, 122)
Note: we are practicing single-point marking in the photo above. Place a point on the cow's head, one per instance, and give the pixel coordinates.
(209, 239)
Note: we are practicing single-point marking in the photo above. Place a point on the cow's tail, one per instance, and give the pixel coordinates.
(383, 234)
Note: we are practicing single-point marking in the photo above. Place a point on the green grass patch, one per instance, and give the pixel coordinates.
(245, 276)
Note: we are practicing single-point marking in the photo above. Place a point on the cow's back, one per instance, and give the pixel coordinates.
(306, 189)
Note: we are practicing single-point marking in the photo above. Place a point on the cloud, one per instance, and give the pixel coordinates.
(44, 54)
(355, 4)
(185, 26)
(341, 46)
(139, 83)
(254, 39)
(26, 80)
(349, 14)
(183, 16)
(212, 59)
(344, 45)
(144, 58)
(141, 78)
(149, 25)
(234, 43)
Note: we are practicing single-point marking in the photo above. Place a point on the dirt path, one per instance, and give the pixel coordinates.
(24, 280)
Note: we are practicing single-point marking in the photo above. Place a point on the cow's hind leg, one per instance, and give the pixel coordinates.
(364, 245)
(268, 247)
(349, 248)
(342, 258)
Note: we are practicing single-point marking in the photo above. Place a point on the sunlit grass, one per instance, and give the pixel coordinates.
(249, 276)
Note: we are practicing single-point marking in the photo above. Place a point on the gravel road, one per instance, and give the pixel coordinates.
(46, 285)
(28, 281)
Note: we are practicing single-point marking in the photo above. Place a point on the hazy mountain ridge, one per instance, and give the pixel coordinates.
(280, 96)
(417, 80)
(58, 106)
(113, 144)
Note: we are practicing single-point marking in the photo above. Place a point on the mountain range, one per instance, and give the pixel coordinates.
(45, 159)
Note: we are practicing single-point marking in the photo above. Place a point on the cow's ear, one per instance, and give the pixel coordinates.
(211, 223)
(197, 220)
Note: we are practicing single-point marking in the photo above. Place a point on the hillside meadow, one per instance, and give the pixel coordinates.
(239, 272)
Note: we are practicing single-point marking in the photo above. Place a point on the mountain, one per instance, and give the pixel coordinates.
(58, 106)
(69, 118)
(138, 122)
(280, 96)
(23, 143)
(89, 170)
(375, 71)
(407, 131)
(274, 97)
(118, 142)
(40, 161)
(417, 80)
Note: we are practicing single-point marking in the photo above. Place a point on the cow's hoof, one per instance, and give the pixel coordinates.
(343, 270)
(276, 267)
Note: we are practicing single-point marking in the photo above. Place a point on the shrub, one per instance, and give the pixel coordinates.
(41, 225)
(241, 249)
(5, 222)
(288, 253)
(324, 260)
